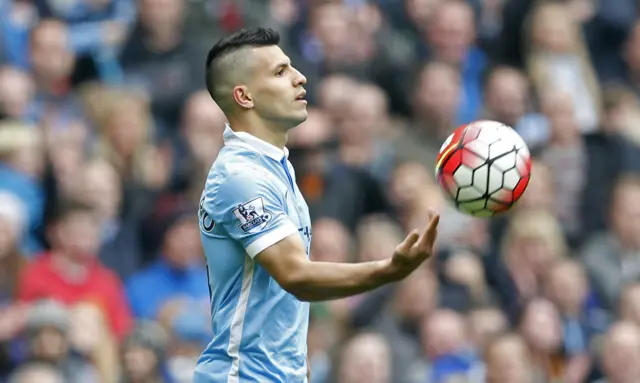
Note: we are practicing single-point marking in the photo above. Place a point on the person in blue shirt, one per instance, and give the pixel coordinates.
(255, 226)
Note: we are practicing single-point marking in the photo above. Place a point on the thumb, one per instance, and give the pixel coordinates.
(408, 242)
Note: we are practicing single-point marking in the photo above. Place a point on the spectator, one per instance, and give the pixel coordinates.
(451, 39)
(91, 338)
(21, 168)
(508, 360)
(70, 272)
(608, 256)
(485, 324)
(177, 274)
(366, 359)
(100, 186)
(533, 242)
(163, 61)
(508, 100)
(144, 354)
(47, 336)
(556, 51)
(52, 63)
(620, 351)
(448, 348)
(16, 91)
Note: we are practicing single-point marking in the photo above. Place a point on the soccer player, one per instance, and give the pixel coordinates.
(255, 225)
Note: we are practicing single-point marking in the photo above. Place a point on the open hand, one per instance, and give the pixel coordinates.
(415, 249)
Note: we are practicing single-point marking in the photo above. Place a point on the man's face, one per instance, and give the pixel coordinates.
(277, 87)
(51, 56)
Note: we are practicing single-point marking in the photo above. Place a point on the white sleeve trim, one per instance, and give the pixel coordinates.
(271, 238)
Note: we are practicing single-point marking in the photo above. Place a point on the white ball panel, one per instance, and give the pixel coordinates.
(505, 163)
(480, 178)
(499, 148)
(468, 193)
(463, 176)
(479, 148)
(495, 179)
(511, 179)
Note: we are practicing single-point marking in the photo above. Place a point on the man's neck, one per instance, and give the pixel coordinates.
(261, 129)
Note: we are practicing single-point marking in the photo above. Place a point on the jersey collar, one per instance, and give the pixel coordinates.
(246, 139)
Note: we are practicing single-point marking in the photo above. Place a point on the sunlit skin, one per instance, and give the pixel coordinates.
(271, 100)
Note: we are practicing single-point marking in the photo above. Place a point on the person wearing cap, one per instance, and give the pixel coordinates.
(46, 333)
(144, 354)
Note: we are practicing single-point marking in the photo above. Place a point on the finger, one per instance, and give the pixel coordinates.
(408, 242)
(429, 236)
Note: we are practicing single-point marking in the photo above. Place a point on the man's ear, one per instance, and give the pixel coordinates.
(242, 97)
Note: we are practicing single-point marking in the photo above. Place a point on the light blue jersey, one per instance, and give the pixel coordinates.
(250, 202)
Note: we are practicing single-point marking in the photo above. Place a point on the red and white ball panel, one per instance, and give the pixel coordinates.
(484, 168)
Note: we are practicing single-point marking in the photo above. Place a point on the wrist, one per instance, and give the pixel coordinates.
(388, 271)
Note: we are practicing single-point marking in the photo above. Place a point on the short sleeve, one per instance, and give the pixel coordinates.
(251, 210)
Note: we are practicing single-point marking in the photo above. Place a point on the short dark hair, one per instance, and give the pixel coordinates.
(248, 37)
(66, 207)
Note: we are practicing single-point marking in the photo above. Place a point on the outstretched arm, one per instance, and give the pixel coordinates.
(287, 263)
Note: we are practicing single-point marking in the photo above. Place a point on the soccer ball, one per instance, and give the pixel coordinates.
(483, 168)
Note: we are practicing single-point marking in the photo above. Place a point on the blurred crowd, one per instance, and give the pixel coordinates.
(107, 135)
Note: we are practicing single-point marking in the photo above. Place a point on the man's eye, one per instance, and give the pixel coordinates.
(280, 72)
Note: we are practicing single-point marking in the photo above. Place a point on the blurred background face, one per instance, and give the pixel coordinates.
(51, 56)
(507, 96)
(364, 117)
(127, 127)
(160, 15)
(203, 125)
(451, 31)
(559, 109)
(444, 333)
(331, 241)
(66, 150)
(421, 11)
(438, 93)
(416, 296)
(16, 91)
(334, 93)
(378, 239)
(567, 287)
(77, 235)
(485, 324)
(621, 353)
(100, 187)
(409, 183)
(182, 244)
(330, 23)
(139, 363)
(366, 359)
(541, 327)
(552, 29)
(50, 345)
(508, 361)
(532, 252)
(540, 193)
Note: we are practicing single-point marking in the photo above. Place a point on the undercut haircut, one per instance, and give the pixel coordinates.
(224, 66)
